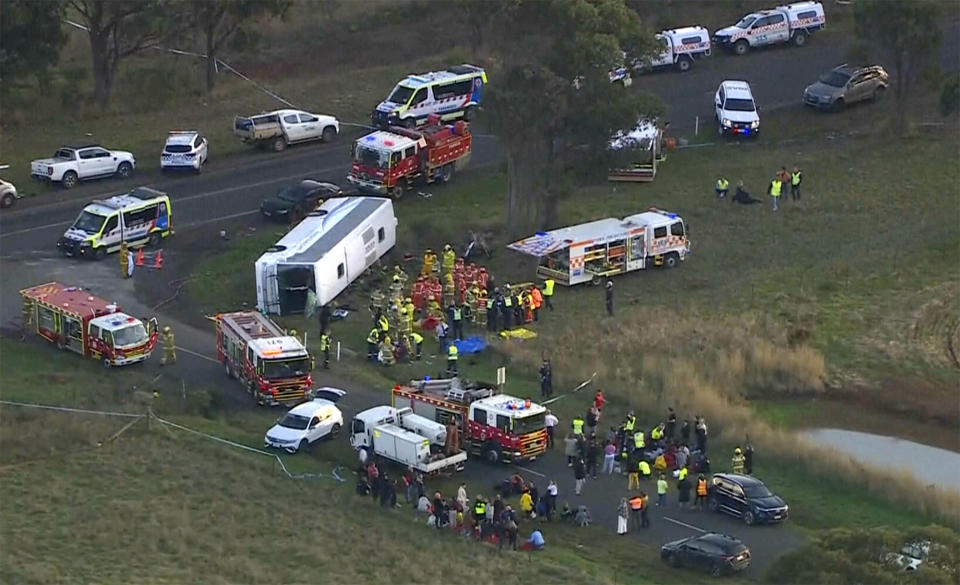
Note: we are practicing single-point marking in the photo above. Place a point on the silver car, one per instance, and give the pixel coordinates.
(846, 85)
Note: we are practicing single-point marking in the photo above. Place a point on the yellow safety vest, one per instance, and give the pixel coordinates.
(456, 314)
(480, 509)
(644, 468)
(628, 426)
(417, 338)
(374, 336)
(384, 324)
(722, 184)
(548, 287)
(795, 178)
(324, 342)
(507, 301)
(452, 352)
(656, 434)
(775, 188)
(578, 426)
(638, 440)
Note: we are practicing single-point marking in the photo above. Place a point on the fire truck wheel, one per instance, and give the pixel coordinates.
(227, 370)
(672, 260)
(106, 363)
(491, 452)
(302, 447)
(446, 171)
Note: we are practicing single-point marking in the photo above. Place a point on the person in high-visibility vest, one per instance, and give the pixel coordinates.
(636, 506)
(738, 460)
(537, 297)
(456, 319)
(452, 358)
(124, 260)
(325, 348)
(480, 312)
(630, 423)
(644, 468)
(638, 441)
(373, 341)
(416, 341)
(548, 293)
(507, 307)
(701, 492)
(577, 425)
(776, 186)
(796, 177)
(723, 185)
(169, 350)
(383, 323)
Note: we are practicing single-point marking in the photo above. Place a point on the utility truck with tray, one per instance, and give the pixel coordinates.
(593, 251)
(790, 23)
(280, 128)
(77, 321)
(492, 425)
(388, 162)
(274, 367)
(400, 435)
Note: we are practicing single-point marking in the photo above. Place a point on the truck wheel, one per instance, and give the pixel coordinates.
(800, 39)
(469, 113)
(69, 180)
(741, 47)
(329, 134)
(106, 363)
(124, 170)
(100, 253)
(672, 260)
(446, 172)
(7, 200)
(492, 453)
(684, 64)
(279, 144)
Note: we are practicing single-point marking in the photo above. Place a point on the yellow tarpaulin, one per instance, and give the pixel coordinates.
(518, 333)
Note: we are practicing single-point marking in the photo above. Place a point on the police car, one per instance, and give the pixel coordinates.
(736, 110)
(185, 149)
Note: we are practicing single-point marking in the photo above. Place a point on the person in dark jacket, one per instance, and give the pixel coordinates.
(580, 474)
(593, 452)
(546, 379)
(609, 297)
(742, 197)
(671, 426)
(685, 432)
(748, 457)
(683, 493)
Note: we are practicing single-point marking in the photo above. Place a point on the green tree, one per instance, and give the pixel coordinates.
(550, 100)
(907, 35)
(32, 38)
(219, 20)
(120, 29)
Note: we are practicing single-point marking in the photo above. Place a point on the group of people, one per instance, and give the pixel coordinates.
(775, 189)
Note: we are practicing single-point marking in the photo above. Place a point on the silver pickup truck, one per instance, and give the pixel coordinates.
(276, 130)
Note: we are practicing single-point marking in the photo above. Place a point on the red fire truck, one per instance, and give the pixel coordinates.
(494, 426)
(75, 320)
(274, 366)
(387, 162)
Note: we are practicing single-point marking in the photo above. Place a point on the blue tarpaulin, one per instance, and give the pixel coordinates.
(473, 344)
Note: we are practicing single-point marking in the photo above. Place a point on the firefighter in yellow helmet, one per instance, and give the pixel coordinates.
(449, 259)
(169, 350)
(738, 460)
(449, 290)
(411, 309)
(429, 261)
(396, 288)
(124, 260)
(398, 272)
(386, 351)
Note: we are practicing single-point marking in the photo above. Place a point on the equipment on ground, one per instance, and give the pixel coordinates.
(494, 426)
(592, 251)
(388, 162)
(324, 253)
(273, 366)
(75, 320)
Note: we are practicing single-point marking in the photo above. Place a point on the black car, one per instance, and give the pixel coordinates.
(716, 553)
(293, 202)
(746, 497)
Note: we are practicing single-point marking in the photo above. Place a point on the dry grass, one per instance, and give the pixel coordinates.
(651, 359)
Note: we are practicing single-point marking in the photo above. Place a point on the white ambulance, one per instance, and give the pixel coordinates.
(788, 23)
(141, 217)
(599, 249)
(679, 47)
(452, 93)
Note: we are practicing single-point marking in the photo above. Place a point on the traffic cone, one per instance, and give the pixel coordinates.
(158, 261)
(139, 260)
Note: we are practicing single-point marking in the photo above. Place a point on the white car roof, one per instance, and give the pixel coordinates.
(181, 136)
(737, 89)
(308, 409)
(686, 30)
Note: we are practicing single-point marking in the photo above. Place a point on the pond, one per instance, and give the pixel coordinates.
(929, 465)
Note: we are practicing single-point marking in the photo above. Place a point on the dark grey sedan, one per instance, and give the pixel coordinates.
(846, 85)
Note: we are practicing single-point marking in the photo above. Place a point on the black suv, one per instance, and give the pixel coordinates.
(745, 496)
(717, 553)
(294, 202)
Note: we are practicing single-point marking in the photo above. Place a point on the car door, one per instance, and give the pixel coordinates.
(106, 164)
(200, 147)
(420, 102)
(858, 87)
(310, 126)
(777, 31)
(693, 554)
(292, 127)
(88, 164)
(314, 429)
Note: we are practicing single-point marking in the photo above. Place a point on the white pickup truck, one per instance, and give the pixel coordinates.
(8, 193)
(280, 128)
(72, 164)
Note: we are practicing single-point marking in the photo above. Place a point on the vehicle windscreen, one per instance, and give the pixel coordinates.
(175, 148)
(370, 157)
(835, 79)
(739, 105)
(401, 94)
(89, 222)
(757, 491)
(745, 22)
(277, 369)
(132, 335)
(529, 424)
(292, 193)
(294, 421)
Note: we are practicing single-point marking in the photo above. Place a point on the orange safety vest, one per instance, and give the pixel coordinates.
(636, 503)
(702, 487)
(537, 298)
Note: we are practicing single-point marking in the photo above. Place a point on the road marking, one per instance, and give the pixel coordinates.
(690, 526)
(199, 355)
(528, 470)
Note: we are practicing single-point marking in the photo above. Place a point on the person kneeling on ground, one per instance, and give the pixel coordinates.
(535, 542)
(742, 197)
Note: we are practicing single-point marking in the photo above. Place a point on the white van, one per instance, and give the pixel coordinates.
(141, 217)
(327, 251)
(452, 93)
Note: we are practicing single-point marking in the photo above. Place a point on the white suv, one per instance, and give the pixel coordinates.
(736, 109)
(308, 422)
(185, 149)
